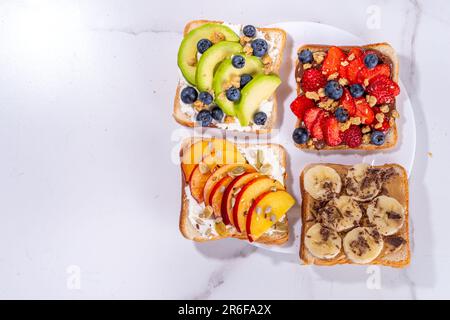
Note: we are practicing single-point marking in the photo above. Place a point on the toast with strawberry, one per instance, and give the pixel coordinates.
(346, 97)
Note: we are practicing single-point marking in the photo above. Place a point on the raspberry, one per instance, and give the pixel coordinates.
(384, 89)
(313, 80)
(352, 137)
(369, 74)
(300, 104)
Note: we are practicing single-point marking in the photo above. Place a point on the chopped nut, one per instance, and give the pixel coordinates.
(321, 92)
(395, 114)
(355, 120)
(309, 143)
(235, 81)
(384, 108)
(217, 37)
(366, 82)
(307, 66)
(333, 76)
(351, 57)
(371, 100)
(366, 139)
(344, 63)
(248, 50)
(228, 119)
(244, 40)
(312, 95)
(365, 129)
(198, 105)
(266, 59)
(344, 125)
(343, 81)
(379, 117)
(378, 125)
(327, 104)
(319, 56)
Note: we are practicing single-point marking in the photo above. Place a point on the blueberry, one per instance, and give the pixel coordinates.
(259, 47)
(300, 135)
(341, 114)
(203, 45)
(371, 60)
(233, 94)
(205, 97)
(188, 95)
(249, 31)
(356, 90)
(377, 138)
(245, 78)
(333, 90)
(217, 113)
(305, 56)
(238, 61)
(204, 118)
(260, 118)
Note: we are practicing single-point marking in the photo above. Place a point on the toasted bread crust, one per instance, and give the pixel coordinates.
(188, 230)
(307, 258)
(185, 120)
(385, 49)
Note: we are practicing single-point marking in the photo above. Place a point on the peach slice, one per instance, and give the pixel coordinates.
(248, 193)
(230, 194)
(197, 183)
(216, 195)
(266, 210)
(219, 174)
(191, 156)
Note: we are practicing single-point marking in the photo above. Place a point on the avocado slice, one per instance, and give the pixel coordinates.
(187, 53)
(210, 60)
(225, 71)
(253, 94)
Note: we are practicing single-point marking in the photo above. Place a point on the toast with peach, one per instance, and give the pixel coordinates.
(234, 190)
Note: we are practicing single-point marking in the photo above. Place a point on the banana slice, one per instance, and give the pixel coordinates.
(361, 183)
(340, 214)
(322, 242)
(393, 244)
(322, 182)
(362, 245)
(387, 214)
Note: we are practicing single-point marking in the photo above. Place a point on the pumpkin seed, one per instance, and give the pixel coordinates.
(259, 158)
(237, 171)
(266, 168)
(203, 167)
(221, 228)
(207, 212)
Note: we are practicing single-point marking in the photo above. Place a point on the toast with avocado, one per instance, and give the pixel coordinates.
(355, 215)
(228, 76)
(234, 190)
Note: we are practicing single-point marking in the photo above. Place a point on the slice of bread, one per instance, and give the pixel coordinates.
(190, 232)
(279, 37)
(396, 187)
(384, 49)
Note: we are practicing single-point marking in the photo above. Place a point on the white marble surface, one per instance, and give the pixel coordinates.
(86, 90)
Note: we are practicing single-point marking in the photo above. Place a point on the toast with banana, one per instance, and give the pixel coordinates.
(346, 97)
(234, 190)
(354, 215)
(228, 76)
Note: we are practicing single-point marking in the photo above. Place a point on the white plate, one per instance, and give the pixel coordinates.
(300, 33)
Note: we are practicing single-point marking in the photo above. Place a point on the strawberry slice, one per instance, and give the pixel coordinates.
(312, 80)
(333, 60)
(317, 131)
(300, 104)
(331, 131)
(353, 69)
(348, 103)
(357, 52)
(369, 74)
(384, 89)
(310, 117)
(364, 111)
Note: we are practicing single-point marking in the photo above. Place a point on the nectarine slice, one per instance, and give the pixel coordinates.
(219, 174)
(230, 193)
(197, 183)
(266, 210)
(191, 156)
(216, 195)
(248, 193)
